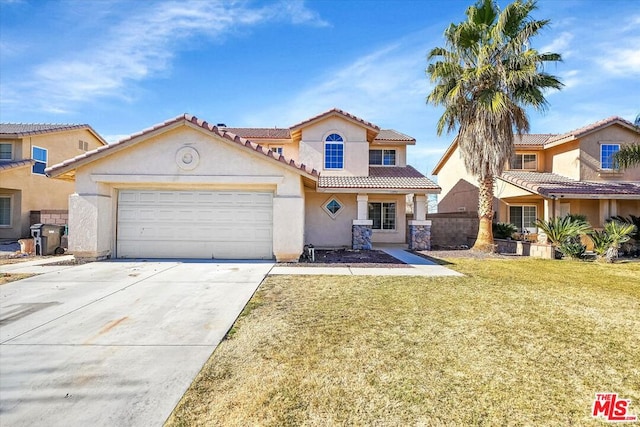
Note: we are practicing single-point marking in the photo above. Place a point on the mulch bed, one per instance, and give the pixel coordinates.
(350, 258)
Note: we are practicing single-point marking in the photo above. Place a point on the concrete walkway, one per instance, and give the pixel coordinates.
(416, 266)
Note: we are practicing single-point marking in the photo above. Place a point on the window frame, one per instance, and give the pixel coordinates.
(328, 160)
(36, 161)
(383, 216)
(612, 161)
(10, 198)
(383, 153)
(335, 214)
(11, 152)
(277, 149)
(533, 229)
(512, 164)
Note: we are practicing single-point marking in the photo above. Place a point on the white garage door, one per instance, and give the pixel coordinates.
(194, 224)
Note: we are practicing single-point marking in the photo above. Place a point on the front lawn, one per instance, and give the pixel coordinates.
(526, 342)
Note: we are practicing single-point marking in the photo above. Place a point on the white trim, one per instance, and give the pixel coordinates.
(328, 212)
(187, 179)
(46, 163)
(509, 205)
(526, 154)
(382, 202)
(395, 157)
(324, 150)
(601, 144)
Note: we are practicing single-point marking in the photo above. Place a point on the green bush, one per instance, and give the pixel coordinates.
(572, 248)
(503, 230)
(561, 229)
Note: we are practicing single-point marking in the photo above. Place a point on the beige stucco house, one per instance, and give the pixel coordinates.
(25, 151)
(188, 189)
(552, 175)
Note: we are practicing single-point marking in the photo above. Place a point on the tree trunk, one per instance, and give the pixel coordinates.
(484, 241)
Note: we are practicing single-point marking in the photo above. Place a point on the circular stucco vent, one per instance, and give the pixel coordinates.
(187, 158)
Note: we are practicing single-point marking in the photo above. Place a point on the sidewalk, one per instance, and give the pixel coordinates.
(416, 266)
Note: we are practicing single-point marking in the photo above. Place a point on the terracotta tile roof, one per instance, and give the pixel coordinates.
(577, 133)
(19, 130)
(260, 133)
(532, 139)
(61, 168)
(335, 111)
(550, 184)
(15, 164)
(405, 178)
(393, 135)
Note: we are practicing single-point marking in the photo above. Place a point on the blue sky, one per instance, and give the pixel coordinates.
(122, 66)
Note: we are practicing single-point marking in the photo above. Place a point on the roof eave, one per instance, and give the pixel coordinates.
(368, 190)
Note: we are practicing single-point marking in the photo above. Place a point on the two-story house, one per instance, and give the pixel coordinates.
(552, 175)
(25, 151)
(188, 189)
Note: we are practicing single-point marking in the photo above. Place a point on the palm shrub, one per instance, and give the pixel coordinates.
(619, 233)
(564, 234)
(503, 230)
(601, 242)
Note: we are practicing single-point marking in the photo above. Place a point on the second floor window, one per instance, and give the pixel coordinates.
(40, 156)
(607, 151)
(334, 152)
(524, 162)
(277, 150)
(6, 152)
(382, 157)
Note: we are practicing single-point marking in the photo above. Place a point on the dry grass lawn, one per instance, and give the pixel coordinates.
(13, 277)
(525, 342)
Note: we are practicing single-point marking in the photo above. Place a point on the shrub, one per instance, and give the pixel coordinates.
(560, 229)
(503, 230)
(619, 233)
(572, 248)
(601, 242)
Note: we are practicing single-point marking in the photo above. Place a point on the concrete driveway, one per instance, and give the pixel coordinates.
(114, 343)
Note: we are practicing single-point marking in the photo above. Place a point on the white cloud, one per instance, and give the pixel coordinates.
(380, 85)
(622, 61)
(141, 45)
(560, 45)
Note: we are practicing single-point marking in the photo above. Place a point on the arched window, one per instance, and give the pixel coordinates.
(334, 152)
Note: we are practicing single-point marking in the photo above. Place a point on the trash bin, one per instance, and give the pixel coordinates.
(47, 239)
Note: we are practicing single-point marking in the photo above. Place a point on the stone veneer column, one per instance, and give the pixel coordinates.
(419, 235)
(361, 232)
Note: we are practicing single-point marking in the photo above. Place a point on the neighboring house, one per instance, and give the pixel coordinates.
(188, 189)
(552, 175)
(25, 151)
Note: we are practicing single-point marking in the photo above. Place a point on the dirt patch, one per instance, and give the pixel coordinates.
(350, 258)
(13, 277)
(17, 258)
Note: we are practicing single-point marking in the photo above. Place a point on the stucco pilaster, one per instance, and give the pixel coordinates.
(363, 211)
(90, 225)
(288, 228)
(420, 207)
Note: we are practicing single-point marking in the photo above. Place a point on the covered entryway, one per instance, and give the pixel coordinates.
(194, 224)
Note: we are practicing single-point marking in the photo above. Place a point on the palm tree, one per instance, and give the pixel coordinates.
(629, 155)
(485, 77)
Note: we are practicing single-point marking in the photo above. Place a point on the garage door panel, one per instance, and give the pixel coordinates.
(194, 224)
